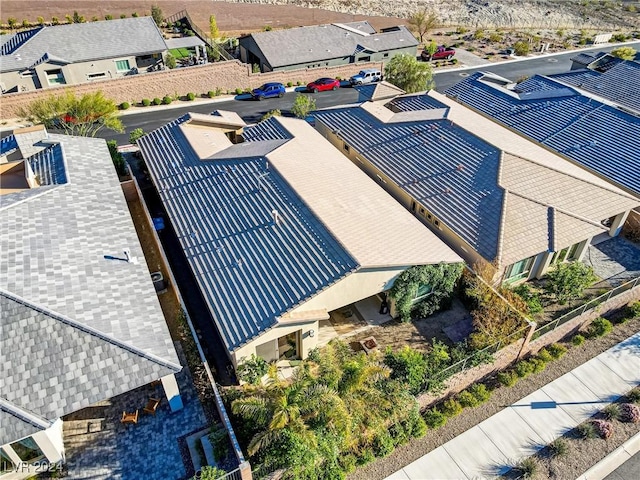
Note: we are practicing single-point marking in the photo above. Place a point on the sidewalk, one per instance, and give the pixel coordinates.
(520, 430)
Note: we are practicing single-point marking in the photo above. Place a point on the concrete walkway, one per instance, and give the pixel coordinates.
(520, 430)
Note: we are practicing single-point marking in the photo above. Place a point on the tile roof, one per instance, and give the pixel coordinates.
(323, 42)
(252, 269)
(620, 83)
(81, 42)
(484, 190)
(53, 366)
(597, 136)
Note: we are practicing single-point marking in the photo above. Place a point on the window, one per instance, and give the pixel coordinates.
(566, 254)
(345, 147)
(422, 210)
(385, 55)
(55, 77)
(96, 76)
(422, 291)
(122, 65)
(6, 465)
(518, 270)
(573, 250)
(365, 59)
(27, 449)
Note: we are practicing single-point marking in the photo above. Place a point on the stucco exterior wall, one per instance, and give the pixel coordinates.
(355, 287)
(197, 79)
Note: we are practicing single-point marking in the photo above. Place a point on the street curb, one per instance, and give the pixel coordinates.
(612, 461)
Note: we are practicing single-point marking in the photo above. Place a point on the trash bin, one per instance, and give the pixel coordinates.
(158, 282)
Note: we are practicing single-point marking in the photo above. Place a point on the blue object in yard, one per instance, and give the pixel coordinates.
(158, 223)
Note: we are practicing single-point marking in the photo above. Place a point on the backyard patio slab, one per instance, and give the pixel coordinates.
(616, 261)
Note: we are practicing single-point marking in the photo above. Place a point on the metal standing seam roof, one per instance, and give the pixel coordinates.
(81, 42)
(300, 45)
(620, 83)
(599, 137)
(451, 172)
(496, 201)
(250, 268)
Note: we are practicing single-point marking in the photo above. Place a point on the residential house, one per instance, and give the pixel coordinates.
(607, 77)
(280, 229)
(592, 132)
(492, 195)
(81, 322)
(51, 56)
(325, 46)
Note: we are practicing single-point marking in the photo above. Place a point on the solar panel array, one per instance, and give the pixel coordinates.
(250, 267)
(619, 83)
(598, 136)
(450, 171)
(48, 166)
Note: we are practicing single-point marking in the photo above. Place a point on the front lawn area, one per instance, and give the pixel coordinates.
(179, 53)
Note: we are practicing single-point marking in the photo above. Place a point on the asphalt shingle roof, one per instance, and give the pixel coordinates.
(81, 42)
(600, 137)
(79, 324)
(294, 46)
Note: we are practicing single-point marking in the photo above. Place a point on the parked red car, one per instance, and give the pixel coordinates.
(440, 54)
(323, 84)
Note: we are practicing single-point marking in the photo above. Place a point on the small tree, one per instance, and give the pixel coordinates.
(421, 22)
(213, 27)
(303, 105)
(625, 53)
(405, 72)
(521, 48)
(431, 48)
(77, 18)
(156, 14)
(170, 61)
(271, 113)
(135, 134)
(568, 281)
(12, 22)
(83, 116)
(55, 21)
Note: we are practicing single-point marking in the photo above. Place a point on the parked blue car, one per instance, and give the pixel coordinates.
(268, 90)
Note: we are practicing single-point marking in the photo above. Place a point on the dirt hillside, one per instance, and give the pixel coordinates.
(248, 15)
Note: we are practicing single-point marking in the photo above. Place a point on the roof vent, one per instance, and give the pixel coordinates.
(460, 167)
(276, 217)
(447, 190)
(128, 257)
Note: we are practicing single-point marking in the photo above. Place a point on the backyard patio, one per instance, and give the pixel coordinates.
(99, 446)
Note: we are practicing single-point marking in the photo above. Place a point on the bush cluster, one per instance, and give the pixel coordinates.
(167, 100)
(451, 408)
(557, 350)
(434, 419)
(629, 413)
(508, 379)
(125, 105)
(191, 96)
(603, 428)
(157, 101)
(599, 328)
(475, 395)
(578, 339)
(146, 102)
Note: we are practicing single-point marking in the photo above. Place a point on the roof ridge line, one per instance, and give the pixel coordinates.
(24, 415)
(588, 182)
(90, 330)
(503, 212)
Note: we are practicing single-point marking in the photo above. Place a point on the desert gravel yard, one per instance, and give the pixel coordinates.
(570, 466)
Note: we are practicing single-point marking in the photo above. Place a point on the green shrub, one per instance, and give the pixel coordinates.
(348, 463)
(146, 102)
(252, 369)
(524, 368)
(495, 38)
(434, 419)
(526, 468)
(366, 456)
(632, 310)
(508, 379)
(191, 96)
(220, 443)
(124, 105)
(587, 430)
(558, 448)
(521, 48)
(383, 444)
(577, 339)
(557, 350)
(238, 91)
(461, 30)
(211, 473)
(117, 158)
(467, 400)
(167, 100)
(599, 328)
(538, 364)
(611, 411)
(480, 392)
(157, 101)
(634, 395)
(531, 298)
(409, 366)
(135, 135)
(289, 84)
(451, 407)
(545, 356)
(567, 281)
